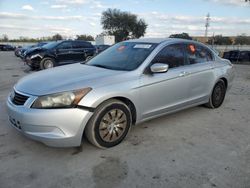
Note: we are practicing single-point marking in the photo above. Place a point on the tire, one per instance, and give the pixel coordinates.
(217, 97)
(88, 58)
(109, 124)
(47, 63)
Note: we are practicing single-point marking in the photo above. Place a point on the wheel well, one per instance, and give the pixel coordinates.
(225, 81)
(53, 58)
(130, 105)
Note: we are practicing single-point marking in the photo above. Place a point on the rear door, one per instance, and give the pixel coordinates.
(199, 71)
(64, 52)
(78, 50)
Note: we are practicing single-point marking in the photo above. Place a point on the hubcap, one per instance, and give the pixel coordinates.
(113, 125)
(48, 64)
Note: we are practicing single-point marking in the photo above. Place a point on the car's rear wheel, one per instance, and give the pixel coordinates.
(218, 95)
(109, 124)
(47, 63)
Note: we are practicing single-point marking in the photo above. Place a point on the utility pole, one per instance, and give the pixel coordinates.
(207, 24)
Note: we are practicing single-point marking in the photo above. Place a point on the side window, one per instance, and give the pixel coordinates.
(172, 55)
(65, 45)
(81, 45)
(87, 45)
(198, 54)
(77, 45)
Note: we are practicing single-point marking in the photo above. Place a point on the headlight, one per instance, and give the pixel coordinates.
(66, 99)
(36, 55)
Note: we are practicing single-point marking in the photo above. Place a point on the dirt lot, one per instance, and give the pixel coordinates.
(198, 147)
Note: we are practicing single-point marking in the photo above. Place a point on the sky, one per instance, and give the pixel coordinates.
(34, 18)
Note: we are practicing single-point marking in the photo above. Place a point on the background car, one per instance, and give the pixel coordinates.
(17, 51)
(20, 51)
(237, 55)
(33, 49)
(6, 47)
(244, 56)
(60, 53)
(101, 48)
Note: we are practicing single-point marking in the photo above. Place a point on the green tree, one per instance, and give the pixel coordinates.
(220, 40)
(57, 37)
(181, 36)
(242, 39)
(5, 38)
(85, 37)
(123, 25)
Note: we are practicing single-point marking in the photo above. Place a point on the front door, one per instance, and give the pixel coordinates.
(163, 92)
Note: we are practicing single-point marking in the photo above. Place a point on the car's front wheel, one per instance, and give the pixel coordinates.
(109, 124)
(47, 63)
(218, 95)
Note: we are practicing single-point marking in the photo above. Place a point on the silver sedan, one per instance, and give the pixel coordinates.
(129, 83)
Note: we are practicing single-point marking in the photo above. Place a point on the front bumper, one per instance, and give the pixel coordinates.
(33, 63)
(53, 127)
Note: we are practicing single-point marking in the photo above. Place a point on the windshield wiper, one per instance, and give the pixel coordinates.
(102, 66)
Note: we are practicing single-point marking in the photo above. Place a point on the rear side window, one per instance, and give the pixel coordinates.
(172, 55)
(88, 45)
(77, 45)
(198, 54)
(81, 45)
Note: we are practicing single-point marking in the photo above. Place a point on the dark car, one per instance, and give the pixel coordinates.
(234, 55)
(59, 53)
(237, 55)
(101, 48)
(6, 47)
(20, 51)
(29, 48)
(226, 55)
(33, 49)
(244, 56)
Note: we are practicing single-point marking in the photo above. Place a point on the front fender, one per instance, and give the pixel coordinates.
(95, 98)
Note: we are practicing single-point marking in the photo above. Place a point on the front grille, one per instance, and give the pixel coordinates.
(19, 99)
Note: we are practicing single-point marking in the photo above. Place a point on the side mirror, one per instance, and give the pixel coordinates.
(159, 68)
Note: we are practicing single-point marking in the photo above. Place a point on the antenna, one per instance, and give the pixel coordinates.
(207, 24)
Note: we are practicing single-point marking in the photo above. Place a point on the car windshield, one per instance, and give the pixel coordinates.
(125, 56)
(41, 44)
(51, 45)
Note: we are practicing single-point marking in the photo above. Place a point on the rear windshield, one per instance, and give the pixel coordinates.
(125, 56)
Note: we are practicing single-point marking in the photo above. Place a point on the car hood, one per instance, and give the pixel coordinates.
(30, 50)
(66, 78)
(37, 50)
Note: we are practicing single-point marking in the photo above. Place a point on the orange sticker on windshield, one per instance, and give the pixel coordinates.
(121, 48)
(192, 48)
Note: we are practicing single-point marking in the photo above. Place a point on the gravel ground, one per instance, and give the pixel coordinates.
(198, 147)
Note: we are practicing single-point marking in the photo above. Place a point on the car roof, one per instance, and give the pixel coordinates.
(159, 40)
